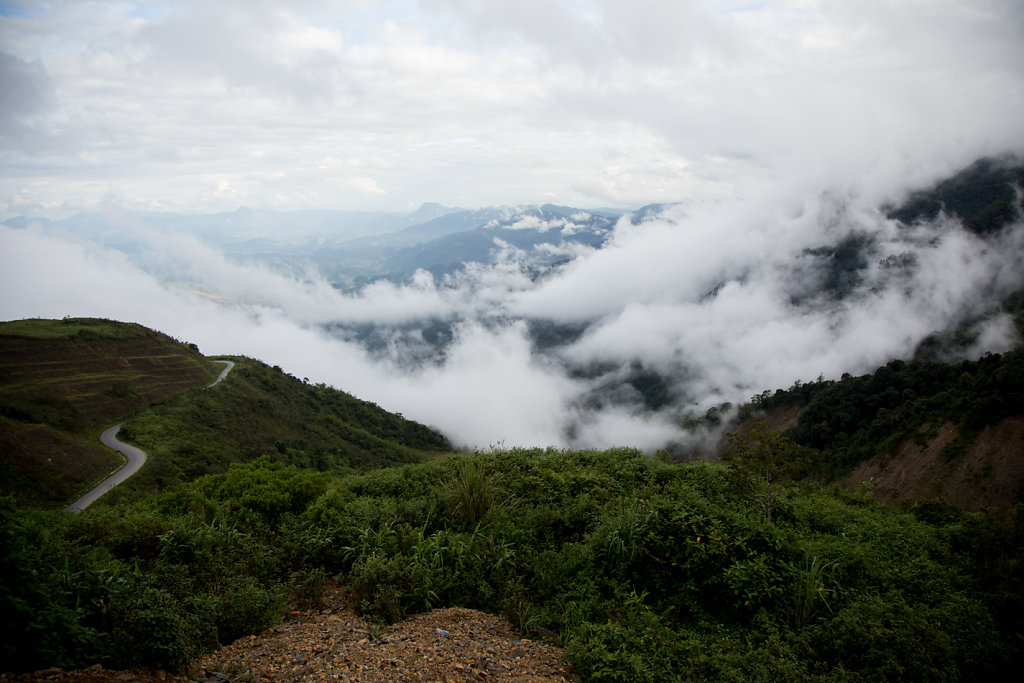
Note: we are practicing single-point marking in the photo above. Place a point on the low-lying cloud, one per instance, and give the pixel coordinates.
(721, 300)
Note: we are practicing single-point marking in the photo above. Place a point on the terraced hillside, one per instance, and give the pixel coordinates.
(63, 381)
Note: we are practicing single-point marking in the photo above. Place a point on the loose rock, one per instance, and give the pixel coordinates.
(334, 644)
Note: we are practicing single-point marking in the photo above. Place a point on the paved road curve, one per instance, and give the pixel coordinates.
(223, 373)
(136, 456)
(136, 459)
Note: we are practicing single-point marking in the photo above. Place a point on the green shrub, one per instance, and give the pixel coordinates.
(643, 570)
(377, 583)
(635, 646)
(153, 628)
(471, 492)
(243, 606)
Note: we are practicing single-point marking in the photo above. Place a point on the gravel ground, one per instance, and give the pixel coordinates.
(333, 644)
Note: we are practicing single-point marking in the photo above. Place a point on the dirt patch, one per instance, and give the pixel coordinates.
(453, 644)
(780, 419)
(989, 472)
(333, 644)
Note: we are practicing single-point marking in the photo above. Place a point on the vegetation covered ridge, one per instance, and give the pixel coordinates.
(643, 570)
(853, 420)
(264, 412)
(63, 381)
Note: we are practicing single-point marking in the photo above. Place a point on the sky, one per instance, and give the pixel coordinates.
(775, 128)
(199, 106)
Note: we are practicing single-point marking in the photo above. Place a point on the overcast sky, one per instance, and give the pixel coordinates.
(355, 104)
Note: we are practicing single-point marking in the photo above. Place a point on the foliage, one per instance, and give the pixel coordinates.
(471, 492)
(984, 196)
(812, 590)
(285, 419)
(842, 266)
(761, 459)
(644, 570)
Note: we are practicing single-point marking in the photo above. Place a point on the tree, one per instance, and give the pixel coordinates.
(762, 460)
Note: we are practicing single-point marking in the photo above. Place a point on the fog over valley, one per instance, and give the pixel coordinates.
(575, 224)
(689, 308)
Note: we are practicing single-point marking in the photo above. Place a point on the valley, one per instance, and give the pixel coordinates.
(864, 523)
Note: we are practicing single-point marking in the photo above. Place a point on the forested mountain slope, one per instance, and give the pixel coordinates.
(915, 431)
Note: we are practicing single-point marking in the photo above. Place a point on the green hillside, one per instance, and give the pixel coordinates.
(79, 373)
(642, 570)
(856, 418)
(260, 489)
(63, 381)
(261, 411)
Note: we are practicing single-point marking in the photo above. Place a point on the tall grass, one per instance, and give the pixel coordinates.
(812, 590)
(472, 492)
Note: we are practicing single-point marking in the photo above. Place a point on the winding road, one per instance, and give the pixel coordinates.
(136, 456)
(223, 373)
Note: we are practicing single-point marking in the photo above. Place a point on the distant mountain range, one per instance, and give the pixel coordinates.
(353, 247)
(541, 235)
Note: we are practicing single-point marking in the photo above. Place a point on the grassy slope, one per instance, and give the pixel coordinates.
(64, 381)
(257, 411)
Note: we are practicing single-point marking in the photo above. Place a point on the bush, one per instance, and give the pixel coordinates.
(243, 606)
(153, 628)
(644, 570)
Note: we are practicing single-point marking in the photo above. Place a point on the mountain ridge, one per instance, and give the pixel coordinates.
(63, 381)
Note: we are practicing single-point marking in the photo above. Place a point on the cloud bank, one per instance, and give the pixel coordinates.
(778, 126)
(721, 300)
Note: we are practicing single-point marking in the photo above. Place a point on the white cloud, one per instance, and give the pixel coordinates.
(723, 299)
(500, 103)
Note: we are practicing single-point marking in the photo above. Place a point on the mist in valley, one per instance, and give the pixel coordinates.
(769, 143)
